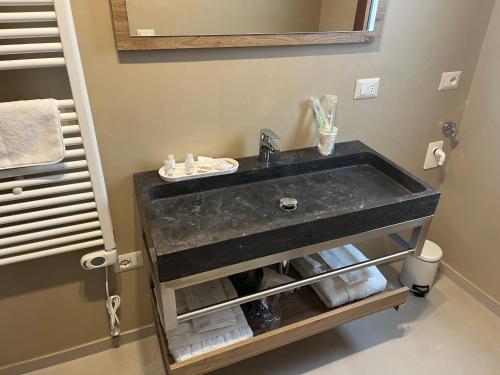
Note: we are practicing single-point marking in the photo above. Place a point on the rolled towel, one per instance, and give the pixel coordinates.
(30, 133)
(337, 291)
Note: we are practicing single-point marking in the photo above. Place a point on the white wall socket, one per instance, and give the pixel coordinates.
(366, 88)
(129, 261)
(449, 81)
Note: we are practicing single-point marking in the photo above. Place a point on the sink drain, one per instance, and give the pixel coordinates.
(288, 204)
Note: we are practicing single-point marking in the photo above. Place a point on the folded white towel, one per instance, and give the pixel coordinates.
(219, 330)
(206, 294)
(335, 291)
(344, 257)
(30, 133)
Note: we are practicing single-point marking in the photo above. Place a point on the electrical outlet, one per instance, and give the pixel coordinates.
(366, 88)
(129, 261)
(449, 81)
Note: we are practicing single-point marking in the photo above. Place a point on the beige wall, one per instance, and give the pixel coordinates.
(213, 102)
(337, 15)
(468, 221)
(219, 17)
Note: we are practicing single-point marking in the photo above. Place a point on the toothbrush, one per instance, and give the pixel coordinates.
(331, 119)
(320, 114)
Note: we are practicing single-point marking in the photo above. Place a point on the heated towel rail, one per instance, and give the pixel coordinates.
(63, 207)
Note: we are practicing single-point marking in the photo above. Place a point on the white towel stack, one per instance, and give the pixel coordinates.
(339, 290)
(210, 332)
(30, 133)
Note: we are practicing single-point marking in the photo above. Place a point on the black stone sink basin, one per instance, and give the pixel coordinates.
(205, 224)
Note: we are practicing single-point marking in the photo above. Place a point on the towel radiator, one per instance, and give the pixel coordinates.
(63, 207)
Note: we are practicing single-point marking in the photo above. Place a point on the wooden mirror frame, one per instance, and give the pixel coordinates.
(127, 42)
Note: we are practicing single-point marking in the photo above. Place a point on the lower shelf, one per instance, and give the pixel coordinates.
(304, 315)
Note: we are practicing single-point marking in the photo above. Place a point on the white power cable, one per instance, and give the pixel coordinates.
(112, 304)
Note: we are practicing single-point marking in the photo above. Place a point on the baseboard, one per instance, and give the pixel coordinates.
(78, 351)
(459, 279)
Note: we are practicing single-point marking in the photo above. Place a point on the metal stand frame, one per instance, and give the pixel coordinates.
(419, 227)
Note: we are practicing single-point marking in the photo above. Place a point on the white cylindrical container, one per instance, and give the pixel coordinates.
(419, 273)
(189, 164)
(326, 142)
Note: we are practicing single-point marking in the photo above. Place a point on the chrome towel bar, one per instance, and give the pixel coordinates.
(296, 284)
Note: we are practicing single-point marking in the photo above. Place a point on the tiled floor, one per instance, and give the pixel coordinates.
(447, 333)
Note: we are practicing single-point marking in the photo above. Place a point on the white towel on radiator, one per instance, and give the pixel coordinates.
(220, 329)
(337, 291)
(30, 133)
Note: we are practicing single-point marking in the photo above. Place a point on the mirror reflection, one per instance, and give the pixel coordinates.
(239, 17)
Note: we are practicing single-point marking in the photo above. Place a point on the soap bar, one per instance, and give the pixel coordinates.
(222, 165)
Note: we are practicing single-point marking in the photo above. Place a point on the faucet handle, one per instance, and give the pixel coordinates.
(267, 145)
(268, 133)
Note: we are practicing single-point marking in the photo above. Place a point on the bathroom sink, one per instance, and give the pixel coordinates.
(201, 225)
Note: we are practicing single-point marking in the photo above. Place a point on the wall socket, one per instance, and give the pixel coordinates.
(129, 261)
(366, 88)
(450, 81)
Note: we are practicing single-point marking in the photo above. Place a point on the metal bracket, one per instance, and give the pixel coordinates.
(450, 129)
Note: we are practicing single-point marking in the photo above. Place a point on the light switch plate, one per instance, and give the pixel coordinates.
(366, 88)
(450, 81)
(431, 160)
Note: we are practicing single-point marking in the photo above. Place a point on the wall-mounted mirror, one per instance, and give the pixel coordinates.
(170, 24)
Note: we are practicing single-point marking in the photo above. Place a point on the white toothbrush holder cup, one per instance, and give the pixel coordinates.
(326, 143)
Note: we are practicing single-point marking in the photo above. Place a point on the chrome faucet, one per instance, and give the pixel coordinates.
(267, 146)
